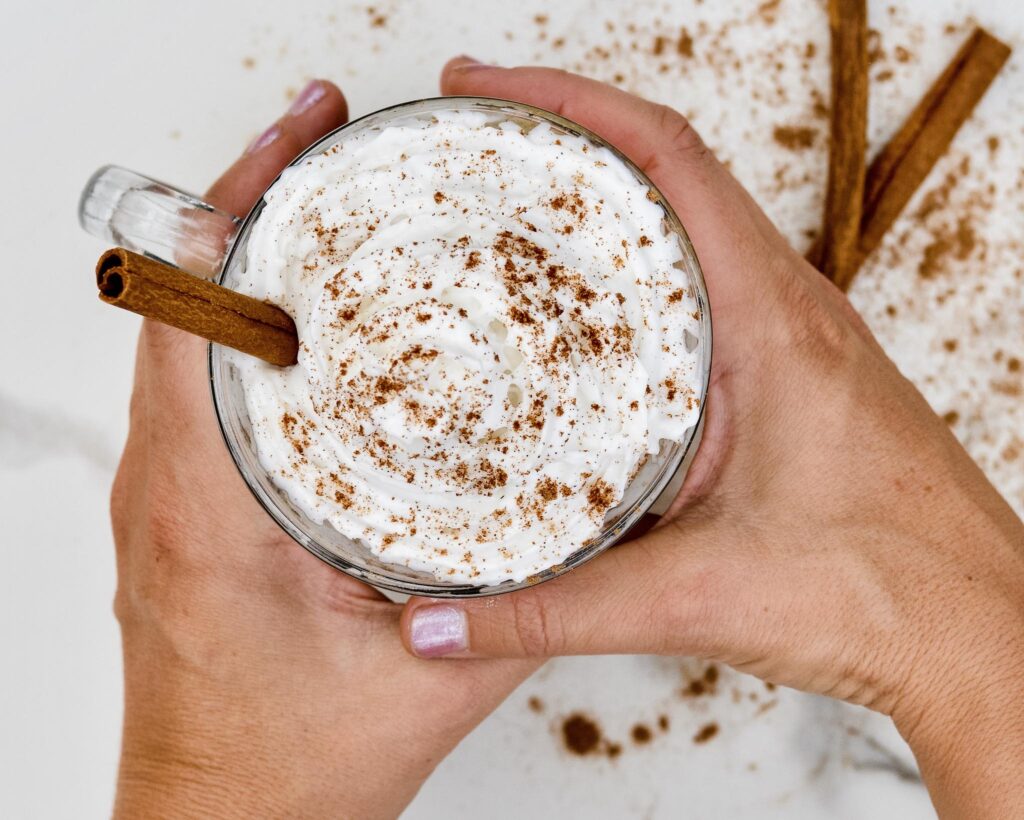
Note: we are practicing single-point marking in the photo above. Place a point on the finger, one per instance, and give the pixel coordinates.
(723, 221)
(670, 592)
(318, 109)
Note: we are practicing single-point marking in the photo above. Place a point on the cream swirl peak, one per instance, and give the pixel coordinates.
(495, 333)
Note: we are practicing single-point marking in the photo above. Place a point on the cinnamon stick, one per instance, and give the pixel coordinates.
(902, 165)
(906, 160)
(844, 197)
(169, 295)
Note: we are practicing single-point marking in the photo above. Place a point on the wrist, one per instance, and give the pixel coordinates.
(262, 775)
(195, 745)
(969, 741)
(960, 709)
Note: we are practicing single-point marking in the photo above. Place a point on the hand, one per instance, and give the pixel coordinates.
(832, 535)
(259, 682)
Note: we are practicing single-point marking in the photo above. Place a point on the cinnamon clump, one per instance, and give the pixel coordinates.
(600, 497)
(706, 733)
(794, 137)
(582, 736)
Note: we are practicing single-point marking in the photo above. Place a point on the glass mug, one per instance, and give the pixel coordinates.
(159, 221)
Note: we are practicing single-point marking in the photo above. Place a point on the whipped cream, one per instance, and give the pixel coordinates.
(495, 333)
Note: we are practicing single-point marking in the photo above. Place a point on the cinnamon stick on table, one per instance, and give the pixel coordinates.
(906, 160)
(902, 165)
(848, 27)
(169, 295)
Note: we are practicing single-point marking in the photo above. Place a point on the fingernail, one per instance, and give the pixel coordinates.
(264, 139)
(436, 631)
(308, 97)
(469, 64)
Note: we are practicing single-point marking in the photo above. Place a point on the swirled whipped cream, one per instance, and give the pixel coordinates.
(494, 335)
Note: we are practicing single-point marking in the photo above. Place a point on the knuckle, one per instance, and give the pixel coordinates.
(537, 629)
(124, 608)
(137, 405)
(688, 614)
(681, 137)
(694, 612)
(164, 526)
(817, 330)
(120, 504)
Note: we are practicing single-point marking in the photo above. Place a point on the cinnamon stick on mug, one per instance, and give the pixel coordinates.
(848, 27)
(157, 291)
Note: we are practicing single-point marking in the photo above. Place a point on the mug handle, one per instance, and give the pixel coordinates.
(157, 220)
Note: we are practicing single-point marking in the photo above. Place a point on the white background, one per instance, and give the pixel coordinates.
(175, 90)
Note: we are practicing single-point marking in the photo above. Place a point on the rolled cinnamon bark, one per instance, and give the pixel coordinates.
(902, 165)
(906, 160)
(836, 255)
(158, 291)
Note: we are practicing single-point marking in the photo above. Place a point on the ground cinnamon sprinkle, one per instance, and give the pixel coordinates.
(794, 137)
(684, 45)
(384, 387)
(956, 244)
(706, 733)
(582, 735)
(490, 478)
(547, 488)
(535, 418)
(768, 10)
(520, 316)
(704, 683)
(600, 496)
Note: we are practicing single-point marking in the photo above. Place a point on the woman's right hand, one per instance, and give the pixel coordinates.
(832, 534)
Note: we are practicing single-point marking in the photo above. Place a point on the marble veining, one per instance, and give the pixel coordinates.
(30, 433)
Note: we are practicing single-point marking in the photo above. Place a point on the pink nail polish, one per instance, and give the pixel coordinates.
(264, 139)
(436, 631)
(308, 97)
(473, 66)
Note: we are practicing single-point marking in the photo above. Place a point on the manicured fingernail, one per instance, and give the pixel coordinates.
(264, 139)
(308, 97)
(438, 630)
(467, 63)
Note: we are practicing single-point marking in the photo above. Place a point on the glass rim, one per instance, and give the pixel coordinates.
(608, 536)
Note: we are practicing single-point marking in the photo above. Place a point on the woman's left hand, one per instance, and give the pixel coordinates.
(259, 682)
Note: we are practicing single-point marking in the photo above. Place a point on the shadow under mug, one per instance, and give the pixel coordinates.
(158, 220)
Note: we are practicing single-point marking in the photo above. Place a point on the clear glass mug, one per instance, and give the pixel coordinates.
(149, 217)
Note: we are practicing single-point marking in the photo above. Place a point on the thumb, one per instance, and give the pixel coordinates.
(670, 592)
(730, 233)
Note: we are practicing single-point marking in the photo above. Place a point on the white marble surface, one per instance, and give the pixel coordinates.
(176, 89)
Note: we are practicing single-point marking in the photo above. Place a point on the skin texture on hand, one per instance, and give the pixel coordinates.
(832, 534)
(259, 682)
